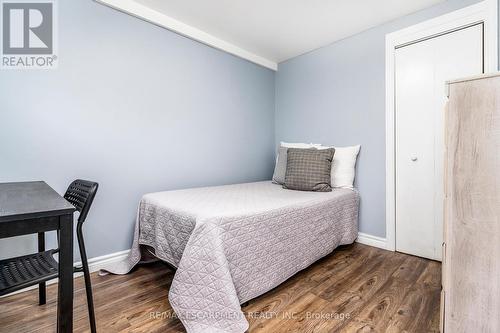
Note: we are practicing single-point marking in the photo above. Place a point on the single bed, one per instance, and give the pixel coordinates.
(233, 243)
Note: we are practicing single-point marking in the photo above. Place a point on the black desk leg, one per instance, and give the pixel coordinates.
(42, 298)
(65, 292)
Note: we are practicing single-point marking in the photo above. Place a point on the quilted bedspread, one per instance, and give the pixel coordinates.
(233, 243)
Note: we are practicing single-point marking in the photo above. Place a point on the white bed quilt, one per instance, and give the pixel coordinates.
(233, 243)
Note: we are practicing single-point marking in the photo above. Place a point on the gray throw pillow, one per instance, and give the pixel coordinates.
(309, 169)
(280, 168)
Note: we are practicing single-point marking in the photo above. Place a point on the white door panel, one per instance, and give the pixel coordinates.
(421, 72)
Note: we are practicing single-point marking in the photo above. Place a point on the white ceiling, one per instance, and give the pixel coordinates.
(277, 30)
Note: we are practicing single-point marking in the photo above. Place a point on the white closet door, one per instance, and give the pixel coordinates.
(421, 71)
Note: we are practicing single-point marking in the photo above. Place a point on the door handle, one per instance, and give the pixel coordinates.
(414, 158)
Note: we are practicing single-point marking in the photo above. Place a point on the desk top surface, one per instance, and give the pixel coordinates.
(24, 200)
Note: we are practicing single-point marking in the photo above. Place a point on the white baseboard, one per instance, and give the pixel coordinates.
(95, 264)
(371, 240)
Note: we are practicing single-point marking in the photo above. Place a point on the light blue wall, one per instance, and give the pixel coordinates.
(138, 109)
(336, 95)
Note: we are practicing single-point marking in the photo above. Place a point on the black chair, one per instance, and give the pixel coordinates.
(21, 272)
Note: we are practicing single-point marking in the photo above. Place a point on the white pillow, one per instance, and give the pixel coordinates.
(300, 145)
(344, 166)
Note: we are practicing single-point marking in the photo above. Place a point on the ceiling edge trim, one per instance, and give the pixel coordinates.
(150, 15)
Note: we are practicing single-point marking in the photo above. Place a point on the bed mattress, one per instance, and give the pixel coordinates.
(233, 243)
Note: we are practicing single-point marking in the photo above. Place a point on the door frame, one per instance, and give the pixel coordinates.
(485, 12)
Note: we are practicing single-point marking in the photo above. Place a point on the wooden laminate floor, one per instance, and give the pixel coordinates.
(357, 288)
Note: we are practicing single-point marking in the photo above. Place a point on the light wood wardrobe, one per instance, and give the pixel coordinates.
(470, 299)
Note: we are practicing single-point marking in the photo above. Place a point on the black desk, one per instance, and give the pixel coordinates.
(33, 207)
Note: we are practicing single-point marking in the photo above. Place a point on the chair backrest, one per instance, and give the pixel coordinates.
(80, 194)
